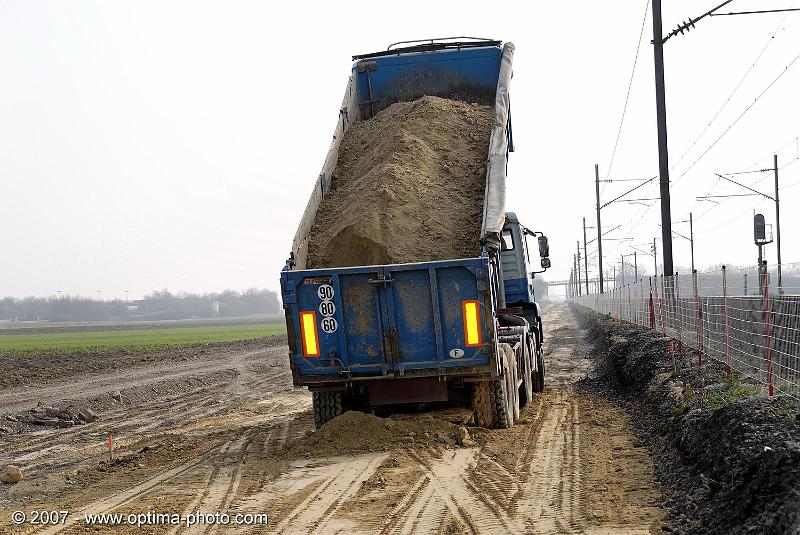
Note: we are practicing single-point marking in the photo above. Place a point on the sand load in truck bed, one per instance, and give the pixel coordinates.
(408, 187)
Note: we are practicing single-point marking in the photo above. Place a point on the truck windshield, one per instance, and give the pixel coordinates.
(507, 241)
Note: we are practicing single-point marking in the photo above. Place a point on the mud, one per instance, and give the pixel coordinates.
(42, 367)
(408, 187)
(227, 432)
(356, 432)
(727, 456)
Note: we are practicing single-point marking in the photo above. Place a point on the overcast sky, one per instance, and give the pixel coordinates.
(146, 145)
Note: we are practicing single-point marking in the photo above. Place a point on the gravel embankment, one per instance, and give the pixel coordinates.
(727, 457)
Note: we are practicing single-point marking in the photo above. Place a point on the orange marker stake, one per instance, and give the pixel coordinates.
(110, 447)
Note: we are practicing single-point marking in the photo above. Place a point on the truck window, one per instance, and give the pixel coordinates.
(507, 240)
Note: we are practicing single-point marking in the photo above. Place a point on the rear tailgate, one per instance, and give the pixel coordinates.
(386, 320)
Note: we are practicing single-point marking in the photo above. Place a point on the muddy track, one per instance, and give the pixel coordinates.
(14, 399)
(214, 436)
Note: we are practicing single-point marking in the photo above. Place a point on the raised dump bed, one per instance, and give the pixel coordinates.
(413, 331)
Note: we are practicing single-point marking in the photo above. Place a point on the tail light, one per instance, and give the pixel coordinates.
(472, 322)
(308, 332)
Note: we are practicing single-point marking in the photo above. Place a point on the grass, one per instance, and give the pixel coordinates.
(734, 391)
(136, 340)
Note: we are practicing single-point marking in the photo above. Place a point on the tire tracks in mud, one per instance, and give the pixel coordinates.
(541, 493)
(132, 423)
(534, 478)
(530, 479)
(553, 497)
(250, 406)
(465, 501)
(20, 398)
(213, 477)
(315, 513)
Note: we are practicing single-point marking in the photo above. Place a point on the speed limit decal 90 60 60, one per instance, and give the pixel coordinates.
(327, 309)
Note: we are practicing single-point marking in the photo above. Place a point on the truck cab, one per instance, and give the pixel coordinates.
(518, 272)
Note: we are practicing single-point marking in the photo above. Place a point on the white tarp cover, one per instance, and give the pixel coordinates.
(494, 199)
(494, 203)
(348, 113)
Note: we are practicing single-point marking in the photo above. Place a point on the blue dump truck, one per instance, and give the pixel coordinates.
(461, 330)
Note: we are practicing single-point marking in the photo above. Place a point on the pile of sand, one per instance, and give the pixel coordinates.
(356, 432)
(408, 187)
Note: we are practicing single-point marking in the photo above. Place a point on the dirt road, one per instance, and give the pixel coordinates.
(228, 433)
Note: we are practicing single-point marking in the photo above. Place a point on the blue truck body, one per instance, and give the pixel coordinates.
(366, 336)
(470, 74)
(390, 320)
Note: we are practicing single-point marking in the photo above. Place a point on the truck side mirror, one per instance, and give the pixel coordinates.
(544, 247)
(545, 263)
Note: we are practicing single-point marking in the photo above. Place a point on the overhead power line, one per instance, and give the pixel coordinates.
(626, 180)
(689, 24)
(728, 129)
(630, 84)
(794, 141)
(747, 187)
(753, 12)
(615, 199)
(735, 89)
(733, 92)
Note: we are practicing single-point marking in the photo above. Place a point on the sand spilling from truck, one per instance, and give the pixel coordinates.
(408, 187)
(356, 432)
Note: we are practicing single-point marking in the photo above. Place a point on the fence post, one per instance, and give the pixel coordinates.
(640, 304)
(698, 321)
(661, 306)
(652, 309)
(678, 311)
(630, 309)
(727, 332)
(768, 328)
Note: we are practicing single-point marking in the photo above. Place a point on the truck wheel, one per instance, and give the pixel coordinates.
(540, 330)
(501, 405)
(502, 393)
(538, 376)
(526, 389)
(513, 389)
(482, 408)
(327, 406)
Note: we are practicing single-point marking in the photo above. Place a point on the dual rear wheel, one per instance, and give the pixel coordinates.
(497, 403)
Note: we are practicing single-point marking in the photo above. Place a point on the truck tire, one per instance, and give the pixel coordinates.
(482, 408)
(503, 394)
(513, 389)
(538, 375)
(503, 414)
(327, 406)
(540, 330)
(526, 389)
